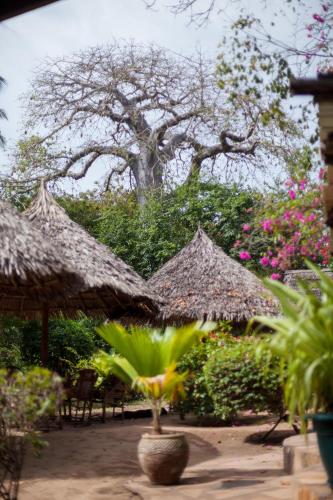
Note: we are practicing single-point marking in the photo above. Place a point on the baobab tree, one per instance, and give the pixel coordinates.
(144, 111)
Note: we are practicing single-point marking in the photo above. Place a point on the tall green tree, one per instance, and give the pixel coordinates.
(147, 238)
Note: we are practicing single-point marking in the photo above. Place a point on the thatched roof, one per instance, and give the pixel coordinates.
(202, 282)
(112, 287)
(291, 278)
(32, 271)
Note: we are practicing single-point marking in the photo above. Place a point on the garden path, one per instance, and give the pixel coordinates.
(99, 462)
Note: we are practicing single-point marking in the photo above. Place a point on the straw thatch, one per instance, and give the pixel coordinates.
(291, 278)
(31, 270)
(112, 287)
(202, 282)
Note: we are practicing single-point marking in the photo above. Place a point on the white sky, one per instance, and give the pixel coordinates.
(70, 25)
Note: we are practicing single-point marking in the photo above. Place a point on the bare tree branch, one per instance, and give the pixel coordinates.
(146, 110)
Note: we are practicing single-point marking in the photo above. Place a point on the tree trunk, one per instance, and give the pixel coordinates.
(44, 347)
(148, 173)
(157, 429)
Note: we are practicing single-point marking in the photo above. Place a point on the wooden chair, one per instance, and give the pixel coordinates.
(113, 395)
(80, 397)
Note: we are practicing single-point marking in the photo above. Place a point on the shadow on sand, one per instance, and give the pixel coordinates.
(100, 450)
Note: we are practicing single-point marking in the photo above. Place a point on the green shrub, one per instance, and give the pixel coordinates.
(237, 381)
(70, 342)
(147, 237)
(198, 400)
(24, 399)
(10, 343)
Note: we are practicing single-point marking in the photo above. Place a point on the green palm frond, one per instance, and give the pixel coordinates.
(148, 358)
(150, 351)
(304, 343)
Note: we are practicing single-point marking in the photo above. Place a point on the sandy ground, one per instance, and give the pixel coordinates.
(96, 461)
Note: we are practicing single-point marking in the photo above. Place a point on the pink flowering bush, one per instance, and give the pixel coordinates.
(319, 33)
(289, 227)
(244, 255)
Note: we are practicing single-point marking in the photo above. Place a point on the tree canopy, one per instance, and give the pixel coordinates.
(154, 116)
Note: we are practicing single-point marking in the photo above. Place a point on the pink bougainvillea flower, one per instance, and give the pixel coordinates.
(274, 262)
(264, 261)
(311, 217)
(296, 236)
(292, 194)
(299, 216)
(246, 227)
(322, 172)
(244, 255)
(289, 183)
(302, 184)
(290, 249)
(275, 276)
(267, 225)
(319, 18)
(304, 251)
(287, 215)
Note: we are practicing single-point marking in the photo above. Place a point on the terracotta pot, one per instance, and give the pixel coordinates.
(163, 457)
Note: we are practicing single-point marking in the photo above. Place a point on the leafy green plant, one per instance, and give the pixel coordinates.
(10, 343)
(148, 359)
(198, 400)
(236, 381)
(24, 399)
(147, 237)
(304, 343)
(70, 341)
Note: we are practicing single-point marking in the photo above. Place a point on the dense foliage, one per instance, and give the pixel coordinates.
(70, 341)
(198, 400)
(146, 238)
(24, 399)
(226, 378)
(236, 381)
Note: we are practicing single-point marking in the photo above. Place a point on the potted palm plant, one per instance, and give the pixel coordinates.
(147, 359)
(304, 343)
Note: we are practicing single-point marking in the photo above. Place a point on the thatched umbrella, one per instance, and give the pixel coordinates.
(291, 278)
(202, 282)
(111, 286)
(32, 271)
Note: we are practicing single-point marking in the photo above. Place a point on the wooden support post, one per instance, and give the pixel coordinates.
(328, 203)
(44, 346)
